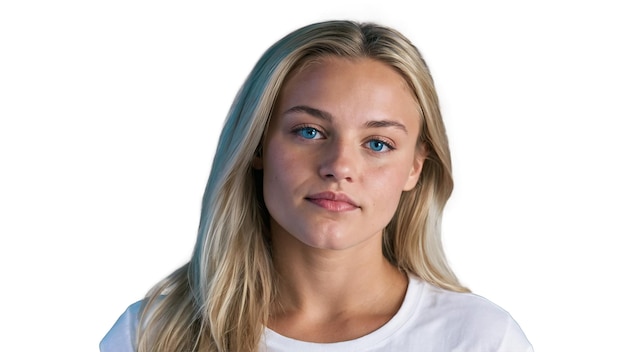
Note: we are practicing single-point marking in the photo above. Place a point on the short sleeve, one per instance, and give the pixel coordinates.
(123, 334)
(514, 339)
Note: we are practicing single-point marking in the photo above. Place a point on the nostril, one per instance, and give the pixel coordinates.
(337, 164)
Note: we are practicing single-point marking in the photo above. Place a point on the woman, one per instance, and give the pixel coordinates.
(320, 225)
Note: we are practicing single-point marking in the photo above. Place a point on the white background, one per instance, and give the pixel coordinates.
(110, 112)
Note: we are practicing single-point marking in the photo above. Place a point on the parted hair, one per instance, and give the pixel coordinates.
(220, 299)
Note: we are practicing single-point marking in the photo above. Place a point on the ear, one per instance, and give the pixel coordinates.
(416, 169)
(257, 161)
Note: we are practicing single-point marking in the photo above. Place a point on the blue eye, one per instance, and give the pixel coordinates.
(308, 132)
(378, 146)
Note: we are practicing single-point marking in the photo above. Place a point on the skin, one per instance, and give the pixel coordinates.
(340, 149)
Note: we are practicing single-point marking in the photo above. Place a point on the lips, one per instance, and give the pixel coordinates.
(337, 202)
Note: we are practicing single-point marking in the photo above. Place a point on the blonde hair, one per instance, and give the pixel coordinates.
(220, 300)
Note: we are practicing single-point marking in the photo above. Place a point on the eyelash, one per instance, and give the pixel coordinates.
(298, 130)
(385, 143)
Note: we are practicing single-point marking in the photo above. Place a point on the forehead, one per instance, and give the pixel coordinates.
(336, 82)
(359, 68)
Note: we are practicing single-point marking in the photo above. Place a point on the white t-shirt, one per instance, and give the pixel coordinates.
(430, 320)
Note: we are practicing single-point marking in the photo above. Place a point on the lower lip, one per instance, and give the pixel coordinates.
(332, 205)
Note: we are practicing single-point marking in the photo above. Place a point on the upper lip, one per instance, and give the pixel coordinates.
(337, 197)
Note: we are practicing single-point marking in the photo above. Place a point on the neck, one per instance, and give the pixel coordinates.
(318, 286)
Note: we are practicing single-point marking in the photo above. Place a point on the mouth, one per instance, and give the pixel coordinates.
(336, 202)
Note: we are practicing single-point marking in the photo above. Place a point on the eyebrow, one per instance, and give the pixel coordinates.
(311, 111)
(329, 117)
(386, 123)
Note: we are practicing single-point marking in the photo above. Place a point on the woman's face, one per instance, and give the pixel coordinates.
(340, 149)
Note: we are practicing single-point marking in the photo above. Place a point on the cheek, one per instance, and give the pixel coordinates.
(279, 167)
(281, 174)
(385, 188)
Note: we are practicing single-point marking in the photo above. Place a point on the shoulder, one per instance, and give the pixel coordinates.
(461, 304)
(468, 321)
(122, 336)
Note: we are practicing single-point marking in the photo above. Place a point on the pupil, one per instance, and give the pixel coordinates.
(308, 132)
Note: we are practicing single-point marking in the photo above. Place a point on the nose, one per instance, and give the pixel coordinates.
(339, 162)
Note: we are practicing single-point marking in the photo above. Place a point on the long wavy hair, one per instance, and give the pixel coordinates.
(220, 299)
